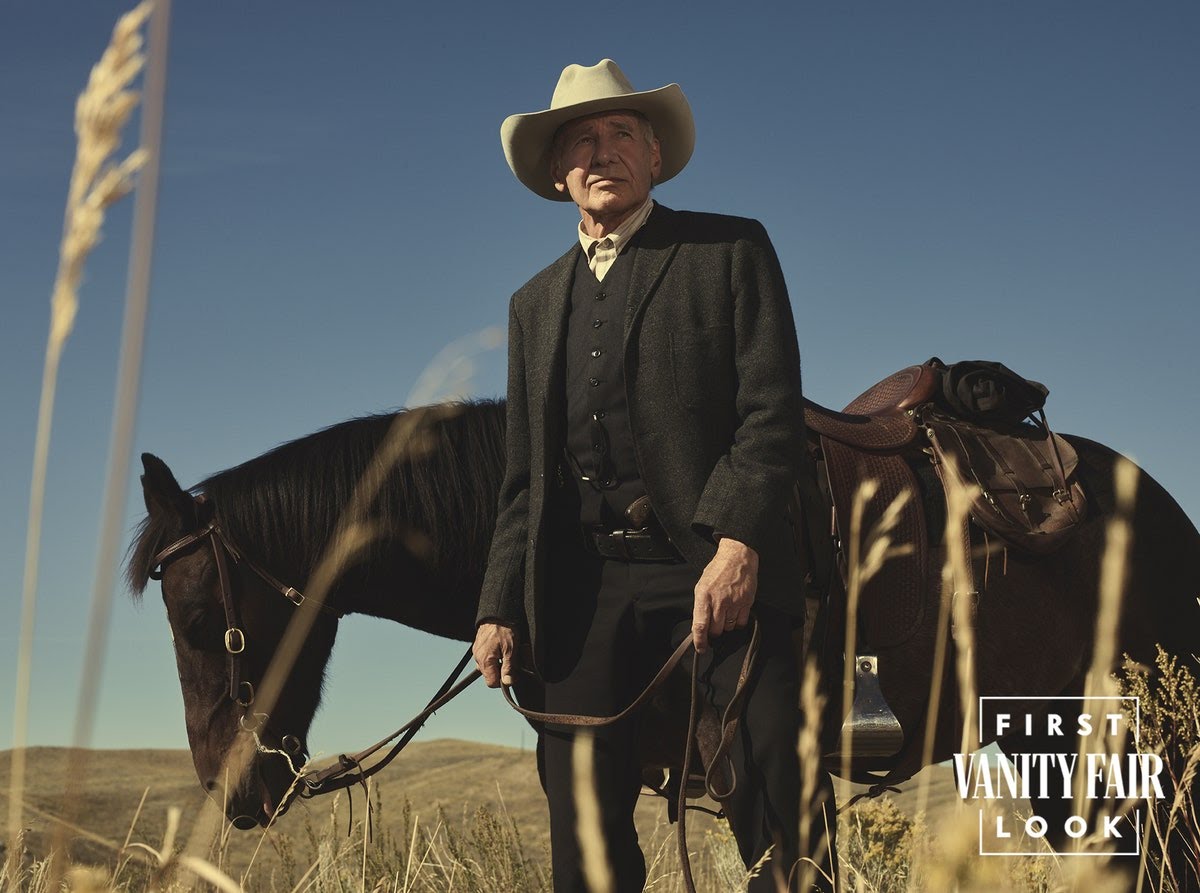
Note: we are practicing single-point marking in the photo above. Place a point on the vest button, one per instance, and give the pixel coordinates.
(597, 352)
(594, 382)
(597, 323)
(600, 296)
(600, 413)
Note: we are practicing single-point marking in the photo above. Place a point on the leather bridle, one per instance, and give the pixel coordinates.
(241, 690)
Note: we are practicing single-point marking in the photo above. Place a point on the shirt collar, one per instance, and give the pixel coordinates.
(620, 236)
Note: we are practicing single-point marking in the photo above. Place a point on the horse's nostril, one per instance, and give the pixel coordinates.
(210, 785)
(244, 823)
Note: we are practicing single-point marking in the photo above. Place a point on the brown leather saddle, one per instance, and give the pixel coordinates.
(877, 438)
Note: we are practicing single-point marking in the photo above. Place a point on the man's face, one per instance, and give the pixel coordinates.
(605, 164)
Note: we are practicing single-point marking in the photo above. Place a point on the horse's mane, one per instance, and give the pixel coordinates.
(284, 506)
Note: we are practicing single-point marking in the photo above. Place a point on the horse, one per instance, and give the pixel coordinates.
(433, 515)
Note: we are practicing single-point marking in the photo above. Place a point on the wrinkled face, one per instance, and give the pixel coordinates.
(605, 164)
(250, 784)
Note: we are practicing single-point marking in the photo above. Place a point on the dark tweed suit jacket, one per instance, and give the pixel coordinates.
(712, 377)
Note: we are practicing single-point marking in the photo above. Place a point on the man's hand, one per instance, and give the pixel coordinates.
(494, 647)
(725, 592)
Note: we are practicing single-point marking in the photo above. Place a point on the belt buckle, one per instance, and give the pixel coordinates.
(618, 537)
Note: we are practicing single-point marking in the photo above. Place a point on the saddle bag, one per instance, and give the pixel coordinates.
(1029, 493)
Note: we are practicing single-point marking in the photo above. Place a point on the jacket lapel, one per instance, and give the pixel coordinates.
(546, 366)
(655, 250)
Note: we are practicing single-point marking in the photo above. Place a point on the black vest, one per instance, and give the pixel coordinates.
(598, 437)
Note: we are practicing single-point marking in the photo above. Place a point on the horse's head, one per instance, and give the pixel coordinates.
(227, 620)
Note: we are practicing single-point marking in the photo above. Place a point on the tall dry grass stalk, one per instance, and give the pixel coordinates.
(854, 584)
(137, 298)
(959, 577)
(129, 372)
(589, 824)
(954, 611)
(97, 181)
(1100, 682)
(1114, 571)
(808, 747)
(867, 552)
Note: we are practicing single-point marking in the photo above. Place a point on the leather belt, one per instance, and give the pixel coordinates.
(630, 545)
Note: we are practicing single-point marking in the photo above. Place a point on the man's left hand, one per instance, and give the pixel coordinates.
(725, 592)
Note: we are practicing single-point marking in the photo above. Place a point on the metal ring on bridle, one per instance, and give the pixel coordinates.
(260, 722)
(291, 744)
(235, 640)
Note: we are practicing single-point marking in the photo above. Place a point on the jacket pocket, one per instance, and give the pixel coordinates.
(701, 364)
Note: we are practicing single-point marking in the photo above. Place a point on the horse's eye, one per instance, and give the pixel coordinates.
(201, 629)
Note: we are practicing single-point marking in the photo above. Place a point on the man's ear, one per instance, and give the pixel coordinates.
(556, 174)
(655, 160)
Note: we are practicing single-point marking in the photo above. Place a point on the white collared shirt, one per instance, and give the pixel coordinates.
(602, 253)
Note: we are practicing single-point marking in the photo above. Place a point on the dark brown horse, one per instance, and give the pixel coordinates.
(1035, 623)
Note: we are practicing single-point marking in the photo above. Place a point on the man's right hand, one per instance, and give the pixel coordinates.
(494, 650)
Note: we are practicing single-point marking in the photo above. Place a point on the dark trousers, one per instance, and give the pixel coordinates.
(610, 626)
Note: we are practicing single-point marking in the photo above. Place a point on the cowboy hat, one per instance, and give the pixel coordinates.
(528, 138)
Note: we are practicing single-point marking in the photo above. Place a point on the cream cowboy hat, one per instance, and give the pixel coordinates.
(583, 91)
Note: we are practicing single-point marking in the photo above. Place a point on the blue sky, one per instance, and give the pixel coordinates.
(1013, 180)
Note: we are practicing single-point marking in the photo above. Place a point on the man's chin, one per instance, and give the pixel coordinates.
(609, 203)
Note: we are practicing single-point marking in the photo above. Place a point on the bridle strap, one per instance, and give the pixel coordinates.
(212, 529)
(235, 636)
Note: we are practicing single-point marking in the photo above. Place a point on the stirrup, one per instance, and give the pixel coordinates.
(874, 729)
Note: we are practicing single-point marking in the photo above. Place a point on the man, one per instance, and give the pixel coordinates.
(654, 433)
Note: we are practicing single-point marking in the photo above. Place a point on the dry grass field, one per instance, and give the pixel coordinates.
(456, 784)
(486, 797)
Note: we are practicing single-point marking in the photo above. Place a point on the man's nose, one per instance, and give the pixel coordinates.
(604, 153)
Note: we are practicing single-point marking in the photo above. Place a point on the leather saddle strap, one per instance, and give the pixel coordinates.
(1052, 438)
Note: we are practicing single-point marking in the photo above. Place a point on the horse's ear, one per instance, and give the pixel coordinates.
(161, 491)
